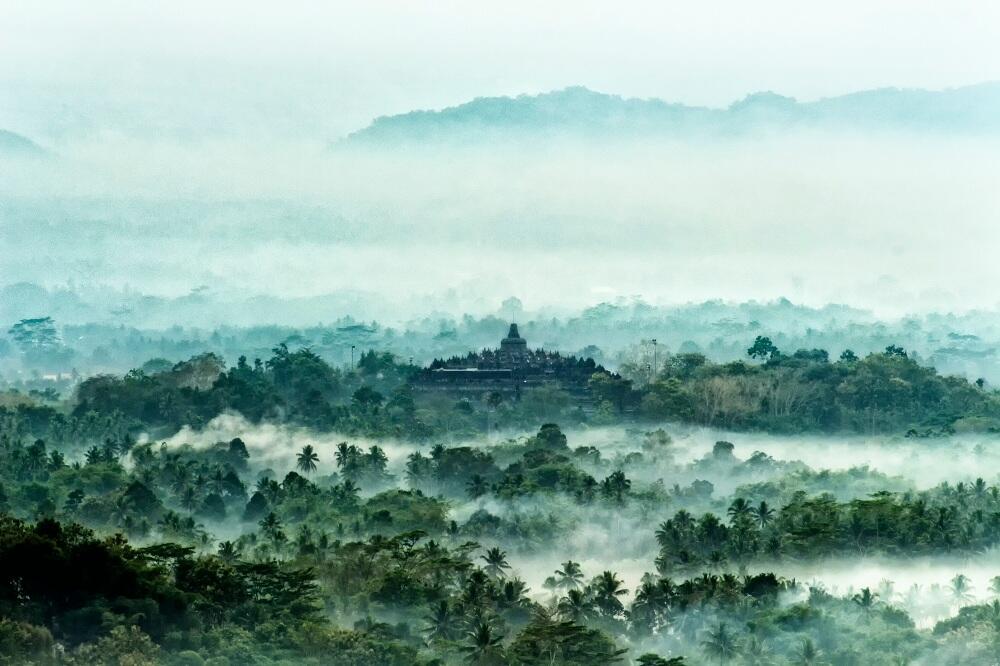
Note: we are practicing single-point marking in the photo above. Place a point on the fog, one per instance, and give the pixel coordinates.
(570, 224)
(604, 538)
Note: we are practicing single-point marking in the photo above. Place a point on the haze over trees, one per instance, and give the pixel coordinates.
(256, 263)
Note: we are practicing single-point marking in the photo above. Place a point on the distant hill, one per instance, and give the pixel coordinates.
(17, 145)
(579, 111)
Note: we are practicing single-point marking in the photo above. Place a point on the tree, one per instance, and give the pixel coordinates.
(576, 606)
(616, 486)
(123, 645)
(228, 552)
(739, 509)
(570, 576)
(720, 645)
(763, 348)
(307, 459)
(545, 642)
(651, 659)
(271, 527)
(189, 499)
(607, 588)
(613, 389)
(35, 335)
(961, 588)
(866, 600)
(482, 644)
(477, 486)
(807, 654)
(367, 399)
(443, 622)
(763, 514)
(496, 562)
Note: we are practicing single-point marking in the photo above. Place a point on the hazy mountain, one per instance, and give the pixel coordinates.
(15, 144)
(580, 111)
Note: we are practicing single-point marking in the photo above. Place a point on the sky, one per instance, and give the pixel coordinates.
(192, 146)
(330, 67)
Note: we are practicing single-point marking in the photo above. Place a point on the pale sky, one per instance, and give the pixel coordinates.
(327, 68)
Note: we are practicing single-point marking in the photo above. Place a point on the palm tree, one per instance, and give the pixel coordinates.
(720, 645)
(345, 454)
(35, 458)
(763, 514)
(271, 527)
(755, 652)
(442, 622)
(576, 606)
(218, 481)
(189, 499)
(228, 552)
(513, 593)
(307, 459)
(607, 588)
(496, 562)
(483, 642)
(717, 560)
(961, 589)
(995, 585)
(571, 575)
(740, 508)
(683, 520)
(866, 600)
(807, 654)
(477, 486)
(616, 486)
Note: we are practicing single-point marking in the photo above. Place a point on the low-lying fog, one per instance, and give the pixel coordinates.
(923, 462)
(607, 539)
(565, 224)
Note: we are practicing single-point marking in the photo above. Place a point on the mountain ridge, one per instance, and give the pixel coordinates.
(13, 144)
(575, 109)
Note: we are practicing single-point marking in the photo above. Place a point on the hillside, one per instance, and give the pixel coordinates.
(12, 144)
(581, 112)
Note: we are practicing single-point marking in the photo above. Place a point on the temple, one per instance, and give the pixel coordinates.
(509, 369)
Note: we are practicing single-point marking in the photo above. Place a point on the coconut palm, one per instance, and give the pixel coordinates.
(228, 551)
(496, 562)
(763, 514)
(576, 606)
(866, 600)
(271, 527)
(755, 653)
(720, 645)
(807, 654)
(606, 589)
(477, 486)
(307, 459)
(740, 508)
(442, 623)
(482, 642)
(571, 575)
(189, 499)
(961, 588)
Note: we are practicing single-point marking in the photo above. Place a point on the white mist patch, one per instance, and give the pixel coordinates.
(276, 446)
(923, 586)
(925, 462)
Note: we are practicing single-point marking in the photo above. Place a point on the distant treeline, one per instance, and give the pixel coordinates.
(804, 391)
